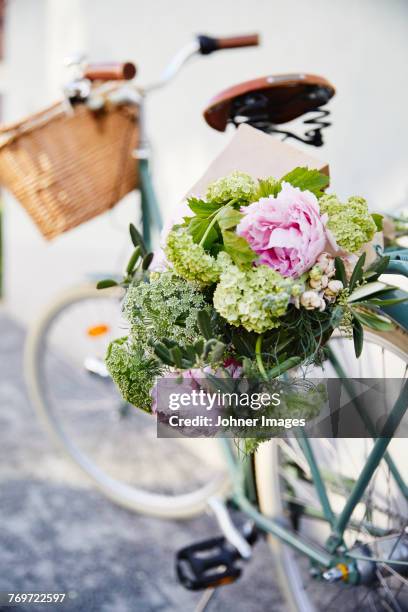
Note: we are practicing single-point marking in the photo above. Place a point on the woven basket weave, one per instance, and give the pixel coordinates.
(67, 167)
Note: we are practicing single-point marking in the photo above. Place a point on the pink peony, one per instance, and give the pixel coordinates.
(287, 232)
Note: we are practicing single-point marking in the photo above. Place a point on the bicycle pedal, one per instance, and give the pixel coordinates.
(210, 563)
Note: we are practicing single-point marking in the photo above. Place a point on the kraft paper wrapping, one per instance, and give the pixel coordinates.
(259, 155)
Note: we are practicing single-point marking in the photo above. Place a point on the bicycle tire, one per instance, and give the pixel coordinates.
(158, 505)
(271, 503)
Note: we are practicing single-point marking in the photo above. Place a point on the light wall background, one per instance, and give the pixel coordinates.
(360, 45)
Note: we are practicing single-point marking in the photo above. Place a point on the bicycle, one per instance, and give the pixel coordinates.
(359, 544)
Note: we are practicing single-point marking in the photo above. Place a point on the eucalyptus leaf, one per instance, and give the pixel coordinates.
(137, 239)
(373, 320)
(106, 283)
(358, 337)
(357, 274)
(147, 260)
(368, 289)
(379, 303)
(133, 260)
(340, 271)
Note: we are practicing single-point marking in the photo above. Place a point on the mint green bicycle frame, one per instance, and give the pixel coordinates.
(151, 218)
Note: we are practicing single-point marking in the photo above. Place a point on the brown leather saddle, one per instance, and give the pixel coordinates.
(269, 101)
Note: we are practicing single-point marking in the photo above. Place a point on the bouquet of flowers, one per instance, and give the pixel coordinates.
(256, 279)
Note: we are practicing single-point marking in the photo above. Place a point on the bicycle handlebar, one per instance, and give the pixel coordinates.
(111, 71)
(209, 44)
(203, 45)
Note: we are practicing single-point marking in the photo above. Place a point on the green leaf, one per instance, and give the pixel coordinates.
(133, 260)
(147, 260)
(243, 342)
(335, 317)
(162, 352)
(237, 248)
(358, 337)
(306, 179)
(204, 324)
(373, 320)
(208, 346)
(137, 239)
(190, 354)
(340, 271)
(176, 356)
(197, 228)
(169, 343)
(268, 187)
(225, 385)
(199, 347)
(284, 366)
(217, 351)
(377, 268)
(201, 208)
(106, 283)
(357, 272)
(181, 320)
(379, 303)
(187, 221)
(378, 220)
(369, 289)
(229, 218)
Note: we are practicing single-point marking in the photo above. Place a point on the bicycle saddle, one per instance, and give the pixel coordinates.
(270, 100)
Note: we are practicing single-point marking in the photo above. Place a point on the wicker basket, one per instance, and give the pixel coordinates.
(67, 167)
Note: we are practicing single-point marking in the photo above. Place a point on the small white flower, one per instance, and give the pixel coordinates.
(325, 261)
(311, 300)
(322, 305)
(332, 290)
(335, 286)
(316, 283)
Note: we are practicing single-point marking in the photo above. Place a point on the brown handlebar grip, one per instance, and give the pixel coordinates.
(110, 71)
(231, 42)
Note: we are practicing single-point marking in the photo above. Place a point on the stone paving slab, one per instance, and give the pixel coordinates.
(59, 534)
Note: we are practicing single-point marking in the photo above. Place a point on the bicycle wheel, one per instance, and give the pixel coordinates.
(112, 442)
(286, 490)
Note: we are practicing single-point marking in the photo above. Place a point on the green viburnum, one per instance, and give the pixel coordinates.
(166, 307)
(190, 260)
(254, 298)
(132, 372)
(235, 186)
(351, 223)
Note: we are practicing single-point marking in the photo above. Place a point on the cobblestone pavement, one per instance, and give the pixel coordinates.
(59, 534)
